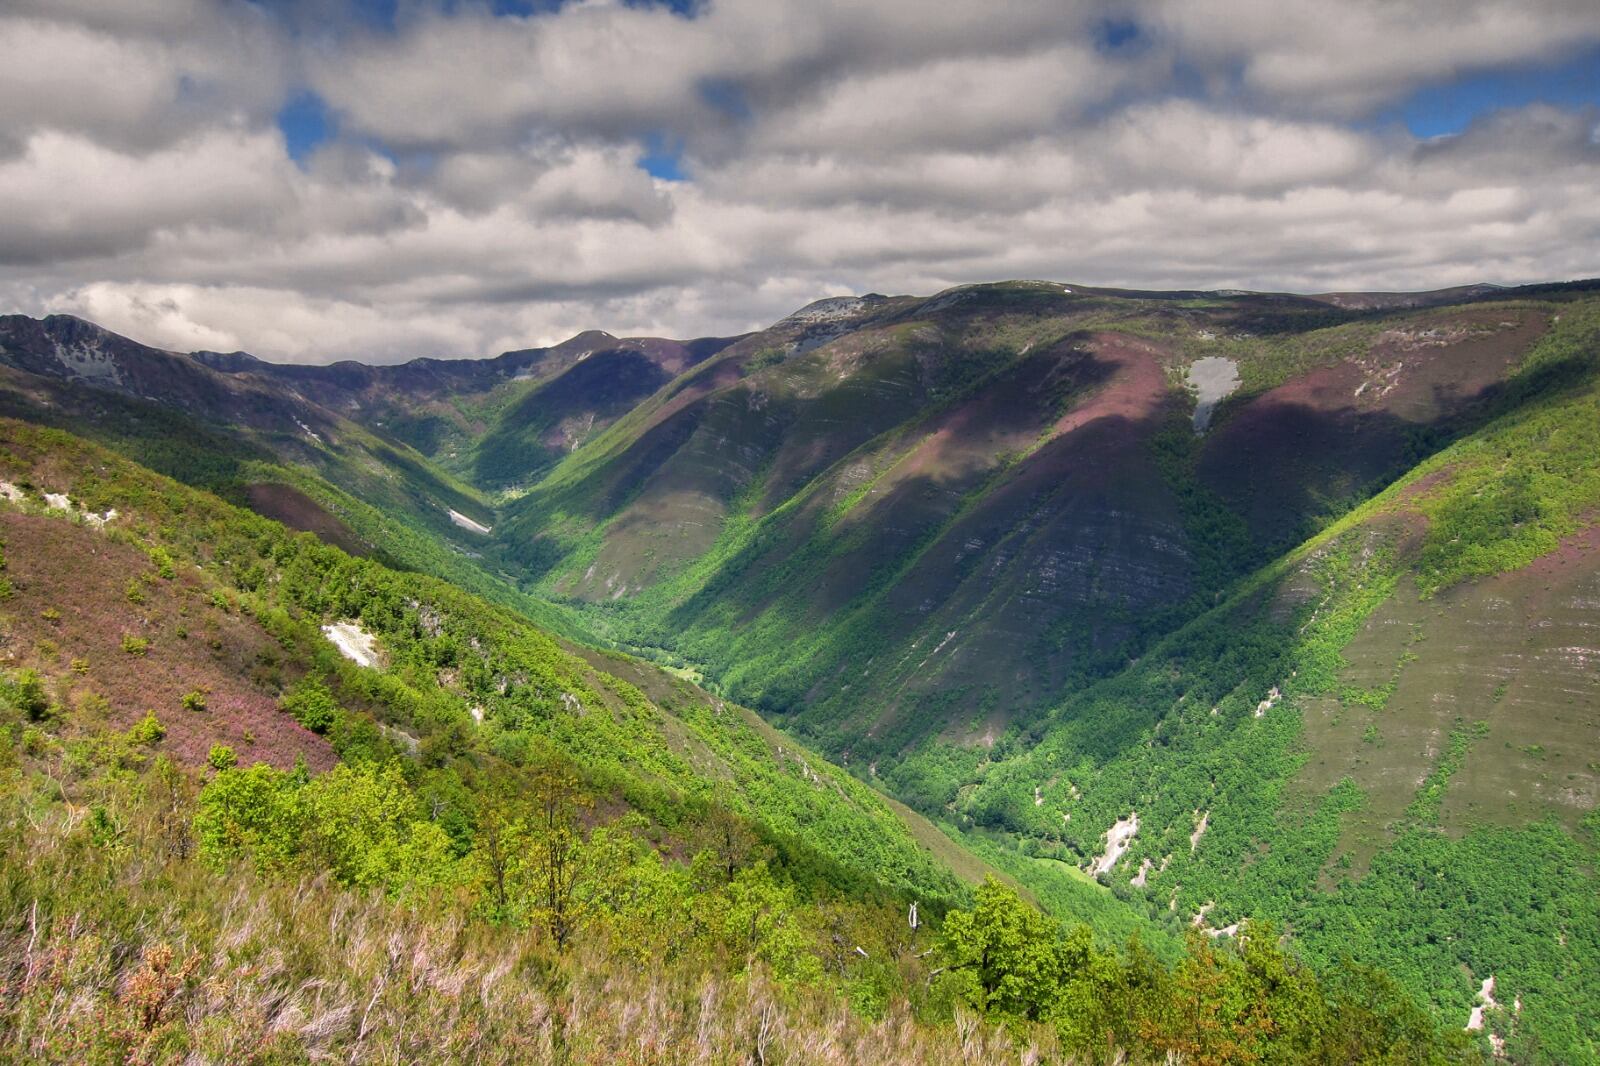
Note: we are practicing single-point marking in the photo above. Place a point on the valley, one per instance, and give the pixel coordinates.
(1180, 613)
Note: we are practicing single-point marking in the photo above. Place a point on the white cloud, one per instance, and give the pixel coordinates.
(1354, 55)
(1184, 143)
(137, 75)
(966, 102)
(68, 197)
(484, 193)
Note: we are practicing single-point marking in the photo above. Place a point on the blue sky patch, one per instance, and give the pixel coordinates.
(663, 158)
(1119, 35)
(306, 123)
(1449, 107)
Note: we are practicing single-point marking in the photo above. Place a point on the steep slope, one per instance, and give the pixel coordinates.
(524, 851)
(90, 375)
(1389, 740)
(204, 616)
(900, 518)
(363, 493)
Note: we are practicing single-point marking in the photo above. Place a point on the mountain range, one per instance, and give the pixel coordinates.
(1178, 611)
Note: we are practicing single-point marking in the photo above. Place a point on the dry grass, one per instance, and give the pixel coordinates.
(126, 950)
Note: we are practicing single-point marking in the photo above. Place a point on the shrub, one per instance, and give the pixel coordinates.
(30, 697)
(135, 645)
(148, 730)
(194, 700)
(312, 705)
(34, 740)
(222, 757)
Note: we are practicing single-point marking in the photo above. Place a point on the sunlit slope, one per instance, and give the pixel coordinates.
(205, 615)
(900, 519)
(1389, 740)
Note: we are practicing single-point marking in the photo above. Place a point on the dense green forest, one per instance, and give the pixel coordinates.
(505, 836)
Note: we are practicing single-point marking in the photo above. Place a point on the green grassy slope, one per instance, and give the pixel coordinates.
(448, 657)
(362, 494)
(1388, 740)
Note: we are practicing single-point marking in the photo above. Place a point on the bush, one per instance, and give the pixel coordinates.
(194, 700)
(29, 695)
(148, 730)
(34, 740)
(135, 645)
(222, 757)
(163, 563)
(312, 705)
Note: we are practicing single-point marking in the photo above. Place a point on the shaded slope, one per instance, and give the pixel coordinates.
(901, 518)
(447, 408)
(87, 373)
(556, 415)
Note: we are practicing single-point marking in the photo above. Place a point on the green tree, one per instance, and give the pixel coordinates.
(1007, 955)
(554, 863)
(256, 813)
(499, 834)
(358, 818)
(29, 695)
(311, 704)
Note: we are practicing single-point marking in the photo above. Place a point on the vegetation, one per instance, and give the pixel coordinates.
(974, 549)
(1209, 721)
(355, 930)
(491, 892)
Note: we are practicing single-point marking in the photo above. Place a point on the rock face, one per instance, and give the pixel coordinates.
(1118, 839)
(353, 642)
(1213, 380)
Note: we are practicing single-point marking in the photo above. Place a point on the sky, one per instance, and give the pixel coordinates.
(311, 180)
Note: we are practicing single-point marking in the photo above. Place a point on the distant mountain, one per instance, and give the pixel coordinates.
(495, 421)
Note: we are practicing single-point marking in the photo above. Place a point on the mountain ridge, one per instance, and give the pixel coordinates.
(983, 548)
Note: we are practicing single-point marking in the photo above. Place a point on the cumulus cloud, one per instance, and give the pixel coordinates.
(139, 74)
(482, 187)
(1353, 56)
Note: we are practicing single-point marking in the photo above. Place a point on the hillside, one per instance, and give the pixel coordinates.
(127, 594)
(267, 801)
(899, 519)
(1389, 739)
(1254, 608)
